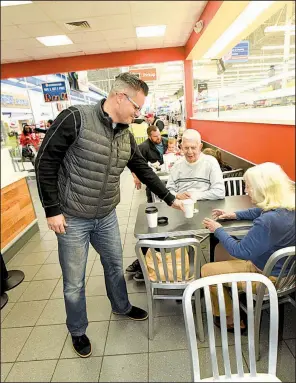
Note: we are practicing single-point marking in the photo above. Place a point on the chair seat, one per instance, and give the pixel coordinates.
(247, 378)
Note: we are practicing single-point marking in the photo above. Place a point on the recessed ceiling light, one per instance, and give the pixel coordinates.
(153, 31)
(9, 3)
(52, 41)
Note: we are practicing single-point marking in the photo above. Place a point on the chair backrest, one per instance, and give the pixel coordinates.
(234, 186)
(233, 173)
(170, 246)
(286, 282)
(233, 279)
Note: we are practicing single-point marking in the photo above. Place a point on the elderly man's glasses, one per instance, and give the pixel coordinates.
(136, 106)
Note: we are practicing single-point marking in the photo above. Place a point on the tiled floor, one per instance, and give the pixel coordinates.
(35, 342)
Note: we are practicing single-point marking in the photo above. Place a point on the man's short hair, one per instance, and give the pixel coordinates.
(191, 134)
(150, 129)
(129, 81)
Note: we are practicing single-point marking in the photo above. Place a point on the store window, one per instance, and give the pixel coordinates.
(256, 80)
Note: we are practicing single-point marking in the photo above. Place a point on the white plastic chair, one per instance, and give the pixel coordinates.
(234, 186)
(153, 287)
(233, 173)
(240, 376)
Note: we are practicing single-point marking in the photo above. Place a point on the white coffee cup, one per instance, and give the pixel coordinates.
(188, 207)
(152, 215)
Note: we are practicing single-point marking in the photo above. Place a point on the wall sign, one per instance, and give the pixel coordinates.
(240, 53)
(145, 74)
(14, 101)
(55, 91)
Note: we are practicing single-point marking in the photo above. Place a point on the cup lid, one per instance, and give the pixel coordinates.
(151, 210)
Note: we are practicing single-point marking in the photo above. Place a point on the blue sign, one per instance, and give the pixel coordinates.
(55, 91)
(240, 53)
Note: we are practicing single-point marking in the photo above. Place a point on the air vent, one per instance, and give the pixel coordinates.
(73, 26)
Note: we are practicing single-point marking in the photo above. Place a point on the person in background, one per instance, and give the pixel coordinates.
(152, 150)
(217, 154)
(28, 137)
(179, 119)
(271, 190)
(196, 172)
(48, 125)
(155, 121)
(78, 170)
(172, 146)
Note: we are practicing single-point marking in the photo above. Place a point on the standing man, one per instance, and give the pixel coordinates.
(152, 150)
(78, 174)
(151, 119)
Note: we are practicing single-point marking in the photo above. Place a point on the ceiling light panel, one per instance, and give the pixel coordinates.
(10, 3)
(152, 31)
(52, 41)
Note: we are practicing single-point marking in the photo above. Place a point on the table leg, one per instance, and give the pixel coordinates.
(11, 278)
(4, 300)
(213, 243)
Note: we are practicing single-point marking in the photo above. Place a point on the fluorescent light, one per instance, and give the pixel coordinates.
(275, 47)
(242, 22)
(279, 28)
(52, 41)
(13, 79)
(9, 3)
(153, 31)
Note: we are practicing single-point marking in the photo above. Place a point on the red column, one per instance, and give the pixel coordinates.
(188, 73)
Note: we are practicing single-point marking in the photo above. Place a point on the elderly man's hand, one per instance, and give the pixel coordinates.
(211, 224)
(177, 204)
(138, 183)
(185, 195)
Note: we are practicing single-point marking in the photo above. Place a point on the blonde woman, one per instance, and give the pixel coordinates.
(273, 193)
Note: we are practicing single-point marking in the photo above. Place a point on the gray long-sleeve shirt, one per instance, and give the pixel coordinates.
(204, 177)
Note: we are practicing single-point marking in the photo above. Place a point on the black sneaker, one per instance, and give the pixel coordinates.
(135, 313)
(134, 267)
(139, 277)
(82, 346)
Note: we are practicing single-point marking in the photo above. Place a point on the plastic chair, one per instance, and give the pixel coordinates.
(234, 186)
(285, 285)
(152, 287)
(233, 173)
(240, 376)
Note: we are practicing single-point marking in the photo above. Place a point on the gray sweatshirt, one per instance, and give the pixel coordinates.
(204, 176)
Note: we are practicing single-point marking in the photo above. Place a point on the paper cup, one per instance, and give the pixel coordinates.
(152, 215)
(188, 207)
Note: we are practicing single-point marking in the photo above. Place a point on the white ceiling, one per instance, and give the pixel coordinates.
(112, 26)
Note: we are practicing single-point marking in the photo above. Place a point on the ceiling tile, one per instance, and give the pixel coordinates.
(65, 10)
(138, 7)
(66, 48)
(122, 44)
(23, 14)
(21, 43)
(85, 37)
(15, 54)
(41, 29)
(114, 34)
(72, 54)
(104, 8)
(12, 32)
(99, 47)
(150, 42)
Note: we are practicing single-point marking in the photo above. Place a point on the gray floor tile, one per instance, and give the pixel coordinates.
(125, 368)
(133, 286)
(6, 310)
(98, 308)
(123, 220)
(97, 333)
(289, 322)
(169, 334)
(130, 239)
(78, 370)
(54, 313)
(52, 258)
(121, 214)
(16, 261)
(44, 342)
(95, 286)
(169, 366)
(38, 290)
(129, 250)
(168, 307)
(92, 255)
(127, 337)
(51, 271)
(285, 361)
(37, 237)
(291, 345)
(49, 236)
(128, 261)
(89, 267)
(5, 368)
(24, 314)
(37, 371)
(29, 271)
(37, 247)
(136, 299)
(12, 341)
(97, 269)
(58, 290)
(32, 259)
(123, 207)
(15, 293)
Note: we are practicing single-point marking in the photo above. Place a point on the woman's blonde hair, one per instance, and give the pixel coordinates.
(271, 187)
(215, 153)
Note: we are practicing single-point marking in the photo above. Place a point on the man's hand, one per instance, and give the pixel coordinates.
(177, 204)
(211, 224)
(221, 214)
(57, 224)
(185, 195)
(138, 183)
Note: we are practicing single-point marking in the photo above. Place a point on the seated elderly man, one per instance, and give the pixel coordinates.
(196, 172)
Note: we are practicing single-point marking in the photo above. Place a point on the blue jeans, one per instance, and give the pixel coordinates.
(104, 235)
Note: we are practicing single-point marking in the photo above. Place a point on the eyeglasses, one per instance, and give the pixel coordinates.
(137, 107)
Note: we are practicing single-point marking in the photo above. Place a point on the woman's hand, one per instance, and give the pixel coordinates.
(185, 195)
(211, 224)
(221, 214)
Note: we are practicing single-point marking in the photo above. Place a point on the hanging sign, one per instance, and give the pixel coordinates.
(145, 74)
(240, 53)
(55, 91)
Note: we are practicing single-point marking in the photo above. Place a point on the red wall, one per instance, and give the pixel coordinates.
(253, 142)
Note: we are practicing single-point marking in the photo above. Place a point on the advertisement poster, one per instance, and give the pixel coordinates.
(145, 74)
(240, 53)
(202, 91)
(55, 91)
